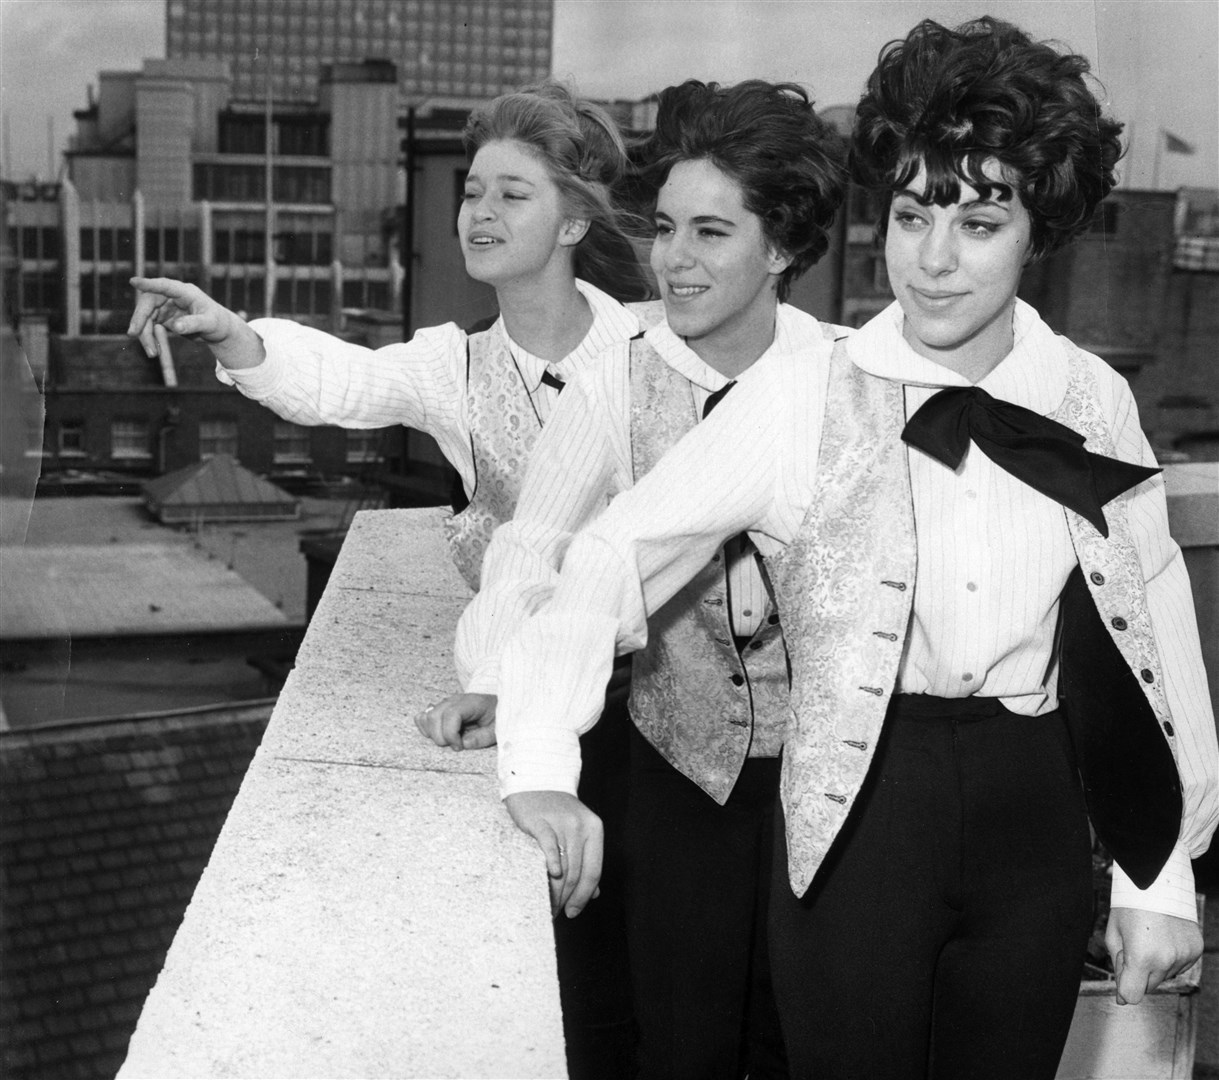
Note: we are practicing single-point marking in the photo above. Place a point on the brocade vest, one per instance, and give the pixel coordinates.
(504, 425)
(845, 588)
(704, 706)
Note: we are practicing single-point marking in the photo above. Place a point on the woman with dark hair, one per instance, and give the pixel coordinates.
(537, 222)
(745, 181)
(991, 631)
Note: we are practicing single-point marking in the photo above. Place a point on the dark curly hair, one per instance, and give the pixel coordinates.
(950, 100)
(584, 153)
(789, 163)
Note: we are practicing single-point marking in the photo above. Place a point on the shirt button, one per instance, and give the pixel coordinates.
(971, 494)
(1097, 577)
(746, 613)
(972, 586)
(967, 677)
(1118, 623)
(738, 680)
(1147, 676)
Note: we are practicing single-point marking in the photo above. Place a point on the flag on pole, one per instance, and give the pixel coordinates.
(1173, 144)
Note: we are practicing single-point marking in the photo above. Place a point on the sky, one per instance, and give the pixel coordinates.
(1158, 60)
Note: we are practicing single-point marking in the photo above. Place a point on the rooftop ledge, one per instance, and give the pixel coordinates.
(369, 909)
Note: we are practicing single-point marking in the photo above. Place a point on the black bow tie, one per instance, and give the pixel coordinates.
(1046, 455)
(550, 379)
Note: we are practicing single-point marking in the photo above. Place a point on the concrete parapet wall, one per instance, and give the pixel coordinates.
(369, 909)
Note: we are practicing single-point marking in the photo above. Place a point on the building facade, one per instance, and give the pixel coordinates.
(441, 48)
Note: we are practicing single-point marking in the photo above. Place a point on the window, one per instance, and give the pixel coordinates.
(217, 436)
(72, 438)
(41, 291)
(291, 443)
(363, 446)
(240, 246)
(129, 440)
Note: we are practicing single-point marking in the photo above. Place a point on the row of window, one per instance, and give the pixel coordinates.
(41, 293)
(298, 296)
(291, 136)
(292, 248)
(131, 441)
(224, 182)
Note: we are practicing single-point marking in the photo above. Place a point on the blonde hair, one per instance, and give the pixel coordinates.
(583, 152)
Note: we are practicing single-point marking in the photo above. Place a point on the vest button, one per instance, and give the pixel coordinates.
(1097, 577)
(1147, 676)
(1168, 729)
(715, 557)
(738, 680)
(1118, 623)
(755, 644)
(773, 620)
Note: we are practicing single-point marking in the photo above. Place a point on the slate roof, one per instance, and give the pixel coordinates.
(52, 591)
(105, 829)
(218, 489)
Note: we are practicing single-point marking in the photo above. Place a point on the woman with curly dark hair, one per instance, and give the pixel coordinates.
(745, 181)
(991, 631)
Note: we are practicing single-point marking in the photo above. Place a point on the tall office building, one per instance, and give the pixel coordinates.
(442, 48)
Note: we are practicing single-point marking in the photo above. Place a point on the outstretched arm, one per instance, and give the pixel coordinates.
(719, 480)
(580, 460)
(188, 310)
(310, 377)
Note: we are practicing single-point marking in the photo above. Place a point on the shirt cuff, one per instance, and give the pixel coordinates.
(484, 679)
(262, 380)
(1172, 893)
(550, 762)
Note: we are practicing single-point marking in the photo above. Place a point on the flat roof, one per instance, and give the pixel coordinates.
(53, 591)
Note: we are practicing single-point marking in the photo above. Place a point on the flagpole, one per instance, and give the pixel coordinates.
(1155, 163)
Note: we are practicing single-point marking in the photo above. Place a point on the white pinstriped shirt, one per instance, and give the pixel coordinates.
(310, 377)
(582, 460)
(993, 556)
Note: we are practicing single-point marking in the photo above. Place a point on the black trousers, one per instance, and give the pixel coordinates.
(698, 882)
(591, 949)
(944, 936)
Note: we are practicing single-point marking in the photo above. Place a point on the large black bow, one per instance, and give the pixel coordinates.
(1046, 455)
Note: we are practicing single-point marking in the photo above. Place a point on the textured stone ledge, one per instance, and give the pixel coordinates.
(368, 910)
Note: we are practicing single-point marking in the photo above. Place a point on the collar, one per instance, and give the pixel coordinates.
(794, 330)
(611, 322)
(1034, 374)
